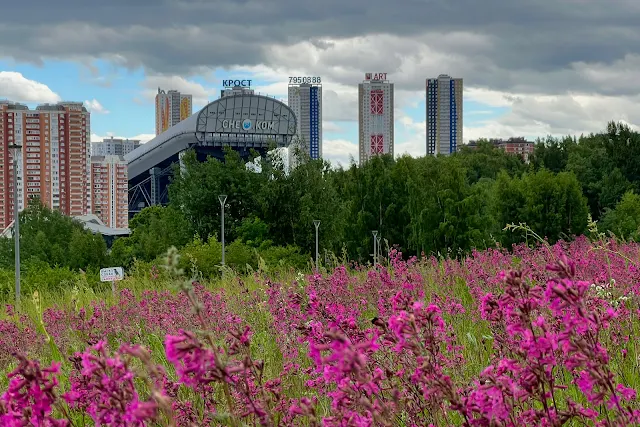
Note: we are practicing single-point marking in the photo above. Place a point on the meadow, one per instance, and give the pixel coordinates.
(542, 336)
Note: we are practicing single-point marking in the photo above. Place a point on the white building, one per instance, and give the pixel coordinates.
(236, 90)
(375, 116)
(114, 147)
(444, 114)
(306, 102)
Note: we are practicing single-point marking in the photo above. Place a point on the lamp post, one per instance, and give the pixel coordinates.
(223, 199)
(15, 150)
(316, 222)
(379, 245)
(375, 246)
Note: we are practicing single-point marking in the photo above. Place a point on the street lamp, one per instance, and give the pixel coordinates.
(223, 199)
(316, 222)
(379, 245)
(15, 151)
(375, 247)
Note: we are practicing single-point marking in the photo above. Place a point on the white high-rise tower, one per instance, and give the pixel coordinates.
(375, 116)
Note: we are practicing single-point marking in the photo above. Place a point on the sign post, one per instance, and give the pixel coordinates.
(112, 274)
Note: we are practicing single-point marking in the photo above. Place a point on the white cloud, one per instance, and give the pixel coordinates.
(329, 126)
(201, 95)
(15, 87)
(557, 115)
(339, 151)
(95, 107)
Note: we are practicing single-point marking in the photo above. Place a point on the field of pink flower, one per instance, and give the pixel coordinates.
(542, 337)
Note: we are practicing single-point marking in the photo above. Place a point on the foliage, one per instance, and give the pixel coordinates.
(448, 205)
(48, 236)
(624, 220)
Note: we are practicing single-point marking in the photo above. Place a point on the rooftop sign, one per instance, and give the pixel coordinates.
(375, 76)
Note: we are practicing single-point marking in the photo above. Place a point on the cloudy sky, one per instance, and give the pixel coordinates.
(530, 67)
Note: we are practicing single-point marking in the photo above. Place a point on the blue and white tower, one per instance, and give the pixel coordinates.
(306, 101)
(444, 115)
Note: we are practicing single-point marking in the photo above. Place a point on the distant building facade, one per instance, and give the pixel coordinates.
(515, 145)
(375, 116)
(109, 192)
(444, 114)
(171, 108)
(53, 161)
(236, 90)
(305, 100)
(114, 147)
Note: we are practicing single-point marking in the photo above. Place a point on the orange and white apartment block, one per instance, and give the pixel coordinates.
(54, 159)
(110, 190)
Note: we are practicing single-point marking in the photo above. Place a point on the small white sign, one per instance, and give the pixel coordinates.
(111, 274)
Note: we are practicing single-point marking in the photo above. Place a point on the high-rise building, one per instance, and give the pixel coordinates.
(306, 102)
(444, 115)
(114, 147)
(171, 108)
(109, 192)
(375, 116)
(236, 90)
(54, 161)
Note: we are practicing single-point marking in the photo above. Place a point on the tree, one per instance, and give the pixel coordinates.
(624, 220)
(48, 236)
(551, 204)
(153, 231)
(195, 193)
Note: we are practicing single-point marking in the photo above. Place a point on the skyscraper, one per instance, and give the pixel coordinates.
(171, 108)
(444, 115)
(375, 116)
(54, 161)
(109, 192)
(305, 100)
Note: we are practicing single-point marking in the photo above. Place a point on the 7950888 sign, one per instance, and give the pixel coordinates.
(305, 80)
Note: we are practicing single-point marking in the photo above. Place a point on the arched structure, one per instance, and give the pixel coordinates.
(243, 122)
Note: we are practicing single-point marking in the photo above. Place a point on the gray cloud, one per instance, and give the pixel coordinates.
(584, 53)
(491, 43)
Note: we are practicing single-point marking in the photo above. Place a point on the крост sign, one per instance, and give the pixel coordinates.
(234, 83)
(304, 80)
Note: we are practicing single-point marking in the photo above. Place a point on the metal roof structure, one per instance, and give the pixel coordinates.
(163, 146)
(92, 223)
(243, 121)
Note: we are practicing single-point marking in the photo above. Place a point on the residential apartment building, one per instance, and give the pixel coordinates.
(53, 161)
(444, 114)
(171, 108)
(515, 145)
(114, 147)
(375, 116)
(306, 102)
(109, 190)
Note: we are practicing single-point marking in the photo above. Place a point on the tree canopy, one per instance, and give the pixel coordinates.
(445, 204)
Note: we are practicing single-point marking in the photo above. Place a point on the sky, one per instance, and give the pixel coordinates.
(531, 68)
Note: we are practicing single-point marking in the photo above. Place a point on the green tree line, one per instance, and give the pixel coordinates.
(446, 205)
